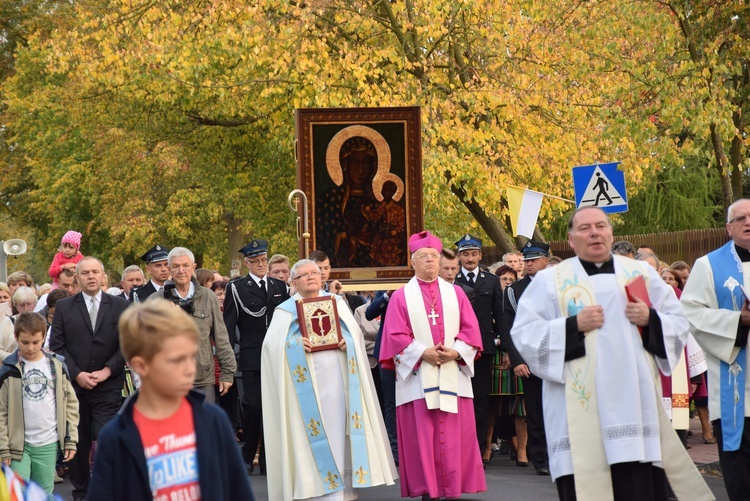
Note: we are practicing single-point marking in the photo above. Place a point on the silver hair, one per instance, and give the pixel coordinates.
(494, 266)
(644, 256)
(132, 269)
(179, 252)
(623, 247)
(89, 258)
(730, 210)
(24, 294)
(299, 264)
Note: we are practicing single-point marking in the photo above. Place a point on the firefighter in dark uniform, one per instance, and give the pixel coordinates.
(158, 270)
(535, 257)
(248, 308)
(488, 307)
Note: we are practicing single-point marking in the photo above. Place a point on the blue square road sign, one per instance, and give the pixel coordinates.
(600, 185)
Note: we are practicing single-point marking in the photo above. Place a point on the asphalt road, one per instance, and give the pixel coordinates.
(505, 481)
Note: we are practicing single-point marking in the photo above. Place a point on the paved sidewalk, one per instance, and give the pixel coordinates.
(702, 453)
(506, 481)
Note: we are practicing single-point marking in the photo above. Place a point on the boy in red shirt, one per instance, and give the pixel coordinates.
(166, 443)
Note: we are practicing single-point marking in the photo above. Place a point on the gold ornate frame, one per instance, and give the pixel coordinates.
(396, 135)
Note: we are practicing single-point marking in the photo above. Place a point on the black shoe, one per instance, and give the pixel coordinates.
(504, 447)
(522, 464)
(542, 471)
(250, 467)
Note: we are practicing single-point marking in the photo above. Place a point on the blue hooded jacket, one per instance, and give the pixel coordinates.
(120, 472)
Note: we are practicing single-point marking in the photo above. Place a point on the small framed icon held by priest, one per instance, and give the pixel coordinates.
(319, 322)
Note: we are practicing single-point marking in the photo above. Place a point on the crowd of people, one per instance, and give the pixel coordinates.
(584, 369)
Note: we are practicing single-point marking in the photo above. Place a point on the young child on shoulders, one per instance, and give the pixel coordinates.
(38, 406)
(166, 442)
(67, 256)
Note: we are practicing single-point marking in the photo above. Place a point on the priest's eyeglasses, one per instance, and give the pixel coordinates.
(433, 255)
(305, 276)
(739, 219)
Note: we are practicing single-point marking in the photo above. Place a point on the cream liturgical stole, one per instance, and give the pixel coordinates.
(677, 405)
(439, 383)
(593, 479)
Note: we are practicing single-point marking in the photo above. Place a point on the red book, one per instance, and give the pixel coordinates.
(636, 288)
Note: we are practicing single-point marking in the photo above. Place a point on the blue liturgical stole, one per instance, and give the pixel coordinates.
(330, 476)
(727, 271)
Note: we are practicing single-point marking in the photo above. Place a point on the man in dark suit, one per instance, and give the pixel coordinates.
(377, 309)
(488, 307)
(535, 259)
(84, 331)
(158, 270)
(248, 308)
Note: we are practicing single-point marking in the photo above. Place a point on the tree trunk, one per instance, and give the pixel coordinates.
(735, 156)
(723, 164)
(488, 222)
(538, 236)
(237, 240)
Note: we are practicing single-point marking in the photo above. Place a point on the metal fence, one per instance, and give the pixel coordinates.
(671, 246)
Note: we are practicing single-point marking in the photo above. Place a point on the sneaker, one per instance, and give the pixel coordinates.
(58, 479)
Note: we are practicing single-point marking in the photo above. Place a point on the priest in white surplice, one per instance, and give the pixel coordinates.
(717, 309)
(607, 433)
(323, 430)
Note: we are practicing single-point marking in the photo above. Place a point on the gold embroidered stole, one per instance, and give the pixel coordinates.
(593, 479)
(680, 396)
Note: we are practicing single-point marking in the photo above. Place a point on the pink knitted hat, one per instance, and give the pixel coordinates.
(73, 238)
(424, 239)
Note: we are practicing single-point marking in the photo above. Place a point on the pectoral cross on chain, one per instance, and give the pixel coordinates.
(433, 316)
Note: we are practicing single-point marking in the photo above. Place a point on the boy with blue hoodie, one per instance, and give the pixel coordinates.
(166, 442)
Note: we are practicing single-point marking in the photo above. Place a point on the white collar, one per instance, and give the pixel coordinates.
(190, 293)
(98, 297)
(258, 279)
(466, 272)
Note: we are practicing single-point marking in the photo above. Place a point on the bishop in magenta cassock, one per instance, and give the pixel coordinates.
(431, 337)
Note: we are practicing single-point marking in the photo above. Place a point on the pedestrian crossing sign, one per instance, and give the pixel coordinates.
(600, 185)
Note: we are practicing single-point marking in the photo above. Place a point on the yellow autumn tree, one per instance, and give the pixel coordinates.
(187, 107)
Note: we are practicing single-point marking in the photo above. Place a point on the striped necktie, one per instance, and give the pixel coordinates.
(93, 312)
